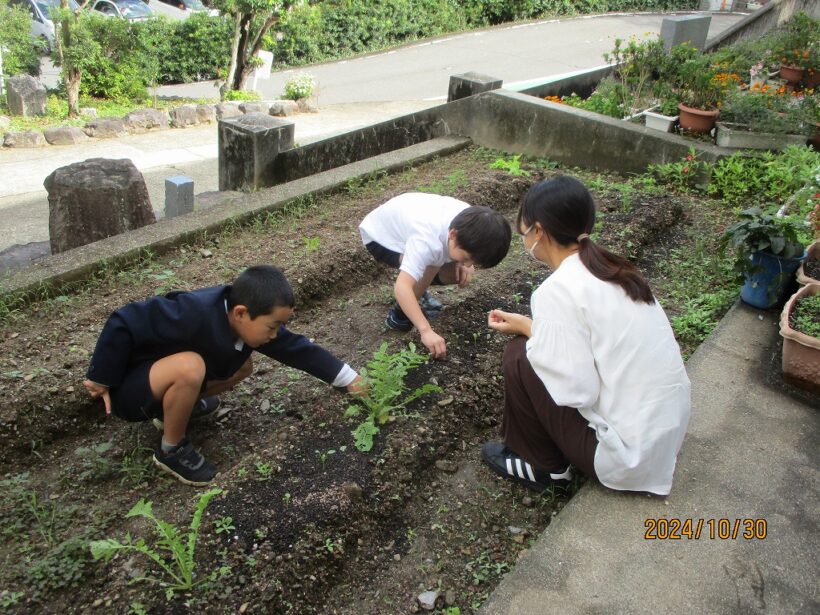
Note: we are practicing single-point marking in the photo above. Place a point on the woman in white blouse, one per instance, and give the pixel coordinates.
(595, 379)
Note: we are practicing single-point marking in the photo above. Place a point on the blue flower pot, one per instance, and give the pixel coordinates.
(765, 287)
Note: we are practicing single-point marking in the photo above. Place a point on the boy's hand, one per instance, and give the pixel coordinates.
(464, 274)
(357, 388)
(97, 391)
(508, 322)
(434, 343)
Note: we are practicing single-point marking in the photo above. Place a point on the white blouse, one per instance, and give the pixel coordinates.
(618, 362)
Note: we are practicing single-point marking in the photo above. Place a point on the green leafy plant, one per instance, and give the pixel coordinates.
(224, 525)
(311, 244)
(299, 86)
(387, 392)
(93, 463)
(757, 231)
(242, 95)
(682, 175)
(511, 166)
(635, 61)
(265, 470)
(173, 552)
(805, 317)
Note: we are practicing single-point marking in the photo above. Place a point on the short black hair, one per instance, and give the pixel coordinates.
(261, 289)
(484, 233)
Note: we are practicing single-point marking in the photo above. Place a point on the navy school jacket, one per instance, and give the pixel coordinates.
(193, 321)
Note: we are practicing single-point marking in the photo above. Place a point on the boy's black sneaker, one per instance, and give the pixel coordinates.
(510, 465)
(186, 463)
(396, 323)
(430, 305)
(205, 407)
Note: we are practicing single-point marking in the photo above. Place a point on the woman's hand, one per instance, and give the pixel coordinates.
(357, 388)
(97, 391)
(464, 273)
(508, 322)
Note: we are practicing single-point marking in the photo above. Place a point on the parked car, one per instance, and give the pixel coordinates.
(133, 10)
(187, 5)
(42, 28)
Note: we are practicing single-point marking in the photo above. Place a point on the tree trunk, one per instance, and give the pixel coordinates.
(241, 53)
(71, 79)
(234, 57)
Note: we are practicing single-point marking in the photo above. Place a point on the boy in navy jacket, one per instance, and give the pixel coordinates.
(168, 357)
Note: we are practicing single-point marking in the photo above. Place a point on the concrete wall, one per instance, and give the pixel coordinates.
(515, 122)
(773, 15)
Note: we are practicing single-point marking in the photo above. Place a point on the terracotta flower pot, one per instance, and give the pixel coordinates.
(697, 120)
(813, 261)
(801, 353)
(792, 74)
(812, 78)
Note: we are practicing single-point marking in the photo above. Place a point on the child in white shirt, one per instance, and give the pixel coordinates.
(431, 239)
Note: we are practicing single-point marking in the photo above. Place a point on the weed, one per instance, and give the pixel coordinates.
(224, 525)
(137, 608)
(683, 175)
(286, 498)
(93, 464)
(179, 569)
(265, 470)
(384, 377)
(9, 599)
(448, 185)
(482, 568)
(323, 456)
(311, 244)
(511, 166)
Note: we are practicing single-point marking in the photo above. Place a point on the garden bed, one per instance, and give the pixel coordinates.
(315, 525)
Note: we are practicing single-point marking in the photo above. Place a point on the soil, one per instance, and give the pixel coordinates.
(811, 269)
(317, 526)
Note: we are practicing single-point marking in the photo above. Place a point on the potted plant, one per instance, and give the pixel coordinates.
(792, 65)
(664, 114)
(809, 271)
(761, 118)
(699, 93)
(800, 329)
(768, 250)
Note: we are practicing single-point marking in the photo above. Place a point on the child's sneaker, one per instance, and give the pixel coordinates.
(430, 305)
(204, 408)
(186, 463)
(508, 464)
(396, 323)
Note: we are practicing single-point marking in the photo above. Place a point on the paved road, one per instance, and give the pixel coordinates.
(351, 93)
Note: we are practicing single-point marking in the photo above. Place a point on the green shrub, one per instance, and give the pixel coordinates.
(194, 49)
(242, 95)
(21, 54)
(299, 86)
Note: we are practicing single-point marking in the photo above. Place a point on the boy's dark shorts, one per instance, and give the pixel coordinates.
(392, 259)
(133, 400)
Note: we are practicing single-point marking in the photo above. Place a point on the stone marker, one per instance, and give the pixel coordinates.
(65, 135)
(469, 84)
(143, 120)
(27, 138)
(105, 128)
(283, 108)
(95, 199)
(179, 196)
(26, 96)
(248, 145)
(689, 29)
(185, 115)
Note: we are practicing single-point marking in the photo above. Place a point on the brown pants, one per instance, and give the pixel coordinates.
(546, 435)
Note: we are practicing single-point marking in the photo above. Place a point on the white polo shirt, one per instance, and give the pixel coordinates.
(618, 362)
(414, 224)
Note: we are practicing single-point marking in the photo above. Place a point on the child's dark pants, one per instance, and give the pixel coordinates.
(546, 435)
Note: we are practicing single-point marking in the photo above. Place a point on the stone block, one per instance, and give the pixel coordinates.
(5, 122)
(26, 138)
(307, 105)
(65, 135)
(283, 108)
(179, 196)
(25, 96)
(227, 110)
(254, 107)
(470, 84)
(89, 112)
(248, 146)
(689, 29)
(143, 120)
(105, 128)
(183, 116)
(95, 199)
(206, 113)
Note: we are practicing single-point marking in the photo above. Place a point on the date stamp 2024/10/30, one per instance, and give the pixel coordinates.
(688, 528)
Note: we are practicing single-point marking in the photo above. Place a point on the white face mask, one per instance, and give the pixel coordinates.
(531, 249)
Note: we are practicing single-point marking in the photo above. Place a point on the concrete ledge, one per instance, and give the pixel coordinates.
(750, 453)
(772, 15)
(57, 271)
